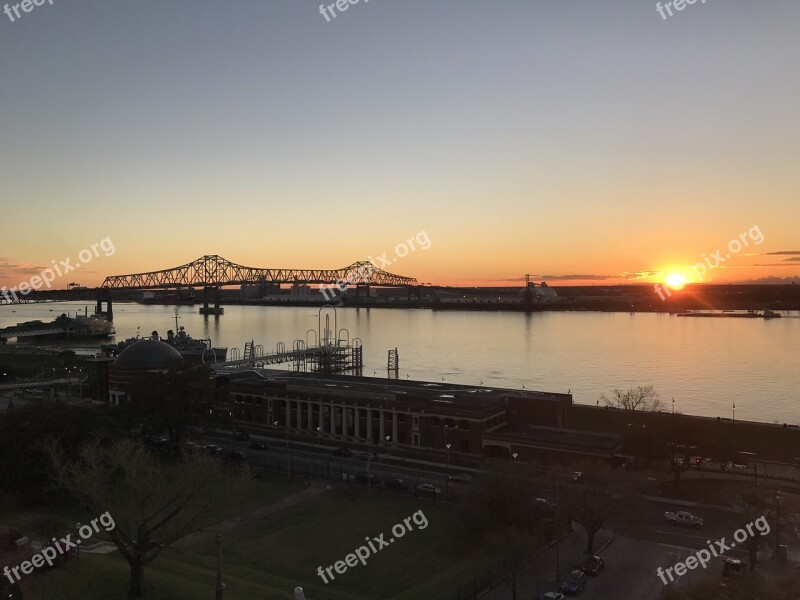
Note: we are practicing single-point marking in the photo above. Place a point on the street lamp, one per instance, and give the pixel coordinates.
(447, 472)
(220, 587)
(777, 522)
(275, 423)
(447, 461)
(558, 518)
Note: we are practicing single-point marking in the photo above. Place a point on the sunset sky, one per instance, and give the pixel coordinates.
(579, 141)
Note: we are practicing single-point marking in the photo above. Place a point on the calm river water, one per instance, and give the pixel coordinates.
(705, 364)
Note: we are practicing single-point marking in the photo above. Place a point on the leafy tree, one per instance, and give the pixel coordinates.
(642, 398)
(153, 503)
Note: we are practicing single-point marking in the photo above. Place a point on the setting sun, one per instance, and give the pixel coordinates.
(676, 281)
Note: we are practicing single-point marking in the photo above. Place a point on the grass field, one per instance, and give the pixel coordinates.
(265, 558)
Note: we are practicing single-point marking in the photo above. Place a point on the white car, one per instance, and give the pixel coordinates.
(683, 518)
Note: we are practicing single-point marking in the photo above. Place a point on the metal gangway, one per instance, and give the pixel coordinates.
(325, 352)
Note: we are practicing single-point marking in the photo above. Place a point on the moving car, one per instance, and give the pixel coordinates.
(396, 483)
(593, 565)
(553, 596)
(574, 584)
(341, 452)
(241, 436)
(461, 478)
(429, 488)
(258, 446)
(683, 518)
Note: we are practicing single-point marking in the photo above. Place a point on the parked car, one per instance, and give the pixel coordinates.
(237, 456)
(341, 452)
(683, 518)
(369, 478)
(731, 566)
(368, 456)
(396, 483)
(429, 488)
(544, 504)
(461, 478)
(190, 446)
(593, 565)
(161, 443)
(257, 446)
(553, 596)
(241, 436)
(213, 449)
(574, 584)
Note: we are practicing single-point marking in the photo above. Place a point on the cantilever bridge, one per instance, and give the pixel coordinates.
(211, 273)
(215, 271)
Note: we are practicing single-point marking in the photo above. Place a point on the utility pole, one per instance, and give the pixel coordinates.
(220, 587)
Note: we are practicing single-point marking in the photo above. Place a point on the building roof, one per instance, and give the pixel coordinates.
(445, 398)
(147, 354)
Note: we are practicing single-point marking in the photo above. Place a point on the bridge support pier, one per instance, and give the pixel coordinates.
(104, 295)
(216, 309)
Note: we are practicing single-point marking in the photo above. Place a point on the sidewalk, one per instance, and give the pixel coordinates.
(541, 576)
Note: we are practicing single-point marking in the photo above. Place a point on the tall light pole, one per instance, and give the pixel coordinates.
(275, 423)
(447, 461)
(447, 472)
(777, 522)
(558, 518)
(369, 476)
(220, 587)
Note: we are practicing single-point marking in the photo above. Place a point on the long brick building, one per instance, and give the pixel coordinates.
(385, 412)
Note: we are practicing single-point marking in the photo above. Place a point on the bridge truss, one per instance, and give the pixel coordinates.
(215, 271)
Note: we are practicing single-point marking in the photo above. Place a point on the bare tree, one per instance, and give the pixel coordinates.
(751, 505)
(592, 501)
(152, 502)
(499, 516)
(642, 398)
(680, 459)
